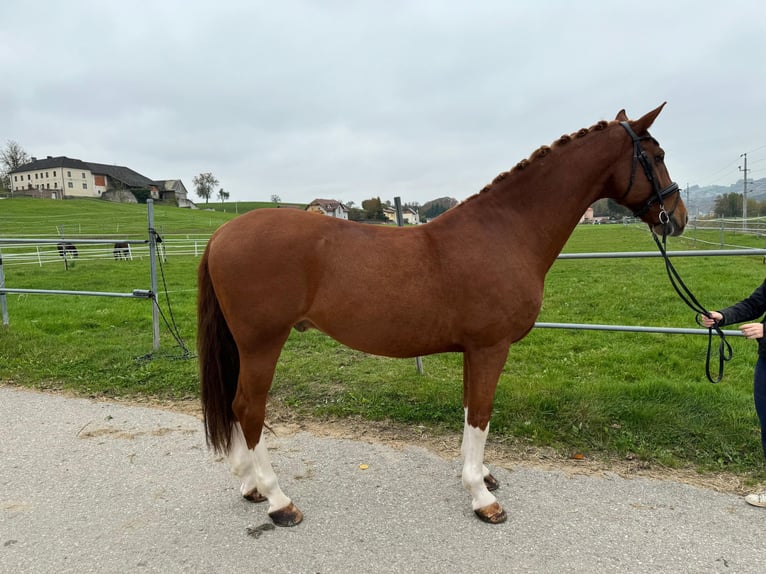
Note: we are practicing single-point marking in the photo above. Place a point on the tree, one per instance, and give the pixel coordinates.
(204, 184)
(275, 199)
(223, 195)
(728, 205)
(435, 207)
(608, 207)
(374, 209)
(357, 214)
(11, 157)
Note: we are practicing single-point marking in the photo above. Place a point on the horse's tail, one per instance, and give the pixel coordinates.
(219, 363)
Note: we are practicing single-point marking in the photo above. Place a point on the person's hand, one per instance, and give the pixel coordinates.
(714, 318)
(752, 330)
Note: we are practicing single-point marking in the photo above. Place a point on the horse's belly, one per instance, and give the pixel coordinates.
(389, 337)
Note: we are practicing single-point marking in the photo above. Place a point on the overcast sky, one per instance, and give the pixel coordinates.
(354, 99)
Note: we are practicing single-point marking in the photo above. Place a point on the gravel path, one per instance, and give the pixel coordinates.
(91, 486)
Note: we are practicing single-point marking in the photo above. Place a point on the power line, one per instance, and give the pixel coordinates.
(718, 175)
(720, 171)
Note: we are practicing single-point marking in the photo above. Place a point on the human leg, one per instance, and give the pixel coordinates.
(759, 398)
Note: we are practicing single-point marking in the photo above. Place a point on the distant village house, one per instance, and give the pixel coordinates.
(409, 215)
(329, 207)
(587, 217)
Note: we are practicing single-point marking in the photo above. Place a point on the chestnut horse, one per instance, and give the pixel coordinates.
(470, 281)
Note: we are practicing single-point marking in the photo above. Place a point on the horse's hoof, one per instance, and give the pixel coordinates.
(491, 483)
(254, 496)
(287, 516)
(492, 514)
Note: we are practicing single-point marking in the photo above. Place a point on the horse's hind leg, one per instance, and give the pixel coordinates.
(258, 479)
(249, 457)
(243, 466)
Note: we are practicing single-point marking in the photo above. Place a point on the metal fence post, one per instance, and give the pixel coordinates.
(400, 223)
(3, 302)
(153, 272)
(723, 228)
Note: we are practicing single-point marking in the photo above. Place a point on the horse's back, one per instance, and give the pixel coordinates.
(294, 239)
(279, 239)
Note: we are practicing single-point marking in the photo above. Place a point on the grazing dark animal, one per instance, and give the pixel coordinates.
(67, 251)
(470, 281)
(122, 251)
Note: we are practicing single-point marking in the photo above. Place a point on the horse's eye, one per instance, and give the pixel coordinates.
(659, 158)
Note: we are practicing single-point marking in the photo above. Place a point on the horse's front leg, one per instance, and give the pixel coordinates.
(481, 370)
(258, 479)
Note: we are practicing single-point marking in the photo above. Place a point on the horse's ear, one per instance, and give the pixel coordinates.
(643, 124)
(621, 116)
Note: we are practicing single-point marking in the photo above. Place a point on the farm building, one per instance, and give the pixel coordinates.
(63, 177)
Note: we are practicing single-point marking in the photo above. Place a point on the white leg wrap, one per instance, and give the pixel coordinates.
(474, 470)
(253, 468)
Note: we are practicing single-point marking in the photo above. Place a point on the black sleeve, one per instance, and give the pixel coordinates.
(753, 307)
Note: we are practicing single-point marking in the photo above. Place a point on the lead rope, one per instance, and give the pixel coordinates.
(725, 351)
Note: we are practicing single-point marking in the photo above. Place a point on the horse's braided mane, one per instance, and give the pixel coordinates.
(540, 152)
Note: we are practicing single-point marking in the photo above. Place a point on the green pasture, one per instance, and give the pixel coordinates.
(23, 217)
(606, 394)
(240, 207)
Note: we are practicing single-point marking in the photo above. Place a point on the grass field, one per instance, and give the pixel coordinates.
(605, 394)
(240, 207)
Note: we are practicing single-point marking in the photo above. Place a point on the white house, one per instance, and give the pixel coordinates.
(54, 177)
(587, 217)
(329, 207)
(408, 214)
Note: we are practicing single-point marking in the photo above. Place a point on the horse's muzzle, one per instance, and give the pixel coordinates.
(672, 227)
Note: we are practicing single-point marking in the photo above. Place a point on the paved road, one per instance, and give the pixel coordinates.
(98, 487)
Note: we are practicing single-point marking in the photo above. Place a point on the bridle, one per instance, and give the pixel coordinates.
(725, 352)
(640, 156)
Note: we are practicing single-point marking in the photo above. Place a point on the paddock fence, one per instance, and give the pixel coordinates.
(728, 230)
(93, 249)
(43, 251)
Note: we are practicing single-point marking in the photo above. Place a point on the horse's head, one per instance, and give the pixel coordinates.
(649, 191)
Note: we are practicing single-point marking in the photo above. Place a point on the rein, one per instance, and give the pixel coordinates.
(725, 352)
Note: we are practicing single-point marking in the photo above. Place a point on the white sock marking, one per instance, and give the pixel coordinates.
(474, 470)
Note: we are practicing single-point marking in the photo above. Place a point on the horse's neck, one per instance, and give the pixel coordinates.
(539, 205)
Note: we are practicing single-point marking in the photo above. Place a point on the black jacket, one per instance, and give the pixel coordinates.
(749, 309)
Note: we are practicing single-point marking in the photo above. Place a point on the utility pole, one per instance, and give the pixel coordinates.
(744, 193)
